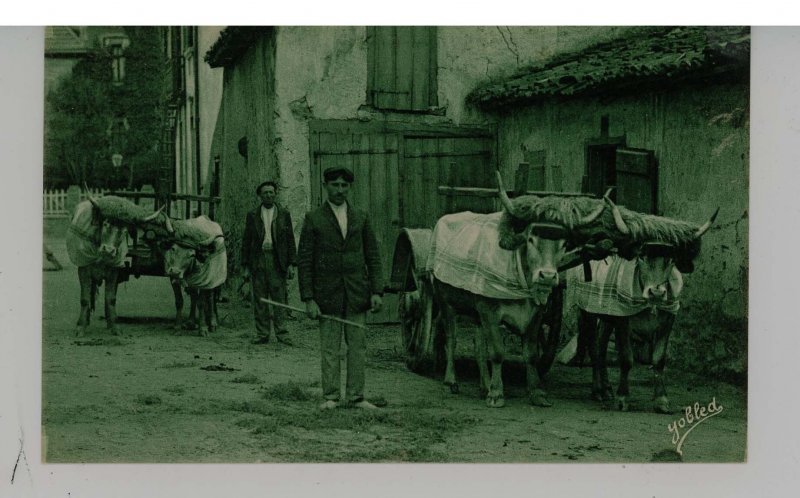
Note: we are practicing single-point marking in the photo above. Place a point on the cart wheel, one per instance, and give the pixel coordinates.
(416, 312)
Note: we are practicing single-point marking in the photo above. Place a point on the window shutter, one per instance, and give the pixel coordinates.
(402, 67)
(637, 180)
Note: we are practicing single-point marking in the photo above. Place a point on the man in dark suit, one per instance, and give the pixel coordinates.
(340, 275)
(269, 258)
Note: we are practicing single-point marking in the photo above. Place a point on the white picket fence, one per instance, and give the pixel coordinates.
(55, 201)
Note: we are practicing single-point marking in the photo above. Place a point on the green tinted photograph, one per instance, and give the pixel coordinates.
(430, 244)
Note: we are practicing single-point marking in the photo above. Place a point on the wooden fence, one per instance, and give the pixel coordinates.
(55, 205)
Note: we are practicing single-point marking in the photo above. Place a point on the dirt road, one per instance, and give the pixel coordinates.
(151, 396)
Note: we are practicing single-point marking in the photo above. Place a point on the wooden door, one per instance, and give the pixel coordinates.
(429, 162)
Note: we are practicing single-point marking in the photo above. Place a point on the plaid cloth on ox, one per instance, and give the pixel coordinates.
(465, 253)
(615, 290)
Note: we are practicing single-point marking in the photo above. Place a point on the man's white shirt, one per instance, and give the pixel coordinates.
(266, 217)
(341, 216)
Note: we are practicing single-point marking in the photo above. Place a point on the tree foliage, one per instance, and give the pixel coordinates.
(88, 118)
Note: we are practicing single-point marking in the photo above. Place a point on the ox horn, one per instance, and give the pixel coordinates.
(591, 217)
(89, 196)
(154, 215)
(621, 226)
(703, 229)
(503, 195)
(168, 224)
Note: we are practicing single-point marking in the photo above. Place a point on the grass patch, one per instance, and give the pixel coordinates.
(246, 379)
(180, 364)
(289, 391)
(100, 341)
(148, 399)
(175, 389)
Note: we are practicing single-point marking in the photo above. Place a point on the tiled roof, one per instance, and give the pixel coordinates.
(649, 55)
(233, 41)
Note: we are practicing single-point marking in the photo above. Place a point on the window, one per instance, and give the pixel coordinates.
(402, 67)
(634, 173)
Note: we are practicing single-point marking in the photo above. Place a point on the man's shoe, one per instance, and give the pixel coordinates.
(329, 405)
(364, 404)
(261, 340)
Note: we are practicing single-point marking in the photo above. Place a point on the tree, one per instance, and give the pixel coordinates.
(84, 116)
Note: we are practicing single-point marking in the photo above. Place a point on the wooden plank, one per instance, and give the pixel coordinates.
(409, 130)
(433, 67)
(420, 98)
(385, 67)
(404, 67)
(371, 53)
(492, 192)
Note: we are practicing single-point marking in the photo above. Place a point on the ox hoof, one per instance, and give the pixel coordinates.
(453, 387)
(189, 326)
(622, 404)
(539, 398)
(499, 402)
(661, 405)
(80, 331)
(203, 332)
(212, 329)
(113, 331)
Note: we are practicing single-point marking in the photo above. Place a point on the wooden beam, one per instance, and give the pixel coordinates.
(491, 192)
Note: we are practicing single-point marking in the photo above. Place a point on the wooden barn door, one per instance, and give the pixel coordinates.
(428, 162)
(373, 158)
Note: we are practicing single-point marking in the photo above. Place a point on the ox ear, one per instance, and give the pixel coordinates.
(511, 237)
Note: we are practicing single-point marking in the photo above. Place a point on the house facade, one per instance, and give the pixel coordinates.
(412, 108)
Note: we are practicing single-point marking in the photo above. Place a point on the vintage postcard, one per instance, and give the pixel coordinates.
(395, 244)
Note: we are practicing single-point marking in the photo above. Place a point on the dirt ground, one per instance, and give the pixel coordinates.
(151, 396)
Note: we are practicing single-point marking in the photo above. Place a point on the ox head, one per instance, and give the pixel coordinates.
(113, 231)
(659, 264)
(183, 257)
(544, 244)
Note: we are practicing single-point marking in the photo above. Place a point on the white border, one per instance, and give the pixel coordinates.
(774, 445)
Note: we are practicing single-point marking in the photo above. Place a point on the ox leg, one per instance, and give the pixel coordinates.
(214, 299)
(191, 322)
(532, 353)
(206, 309)
(447, 320)
(178, 293)
(494, 347)
(625, 352)
(587, 334)
(606, 328)
(85, 280)
(661, 404)
(110, 288)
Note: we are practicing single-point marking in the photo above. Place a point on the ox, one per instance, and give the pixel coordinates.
(200, 268)
(656, 284)
(542, 251)
(98, 246)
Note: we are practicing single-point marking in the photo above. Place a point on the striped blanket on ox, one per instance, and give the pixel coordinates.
(465, 253)
(213, 271)
(615, 289)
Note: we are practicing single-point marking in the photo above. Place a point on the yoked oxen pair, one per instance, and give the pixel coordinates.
(196, 261)
(97, 243)
(499, 270)
(638, 296)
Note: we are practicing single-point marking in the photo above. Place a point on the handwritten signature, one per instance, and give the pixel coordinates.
(692, 417)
